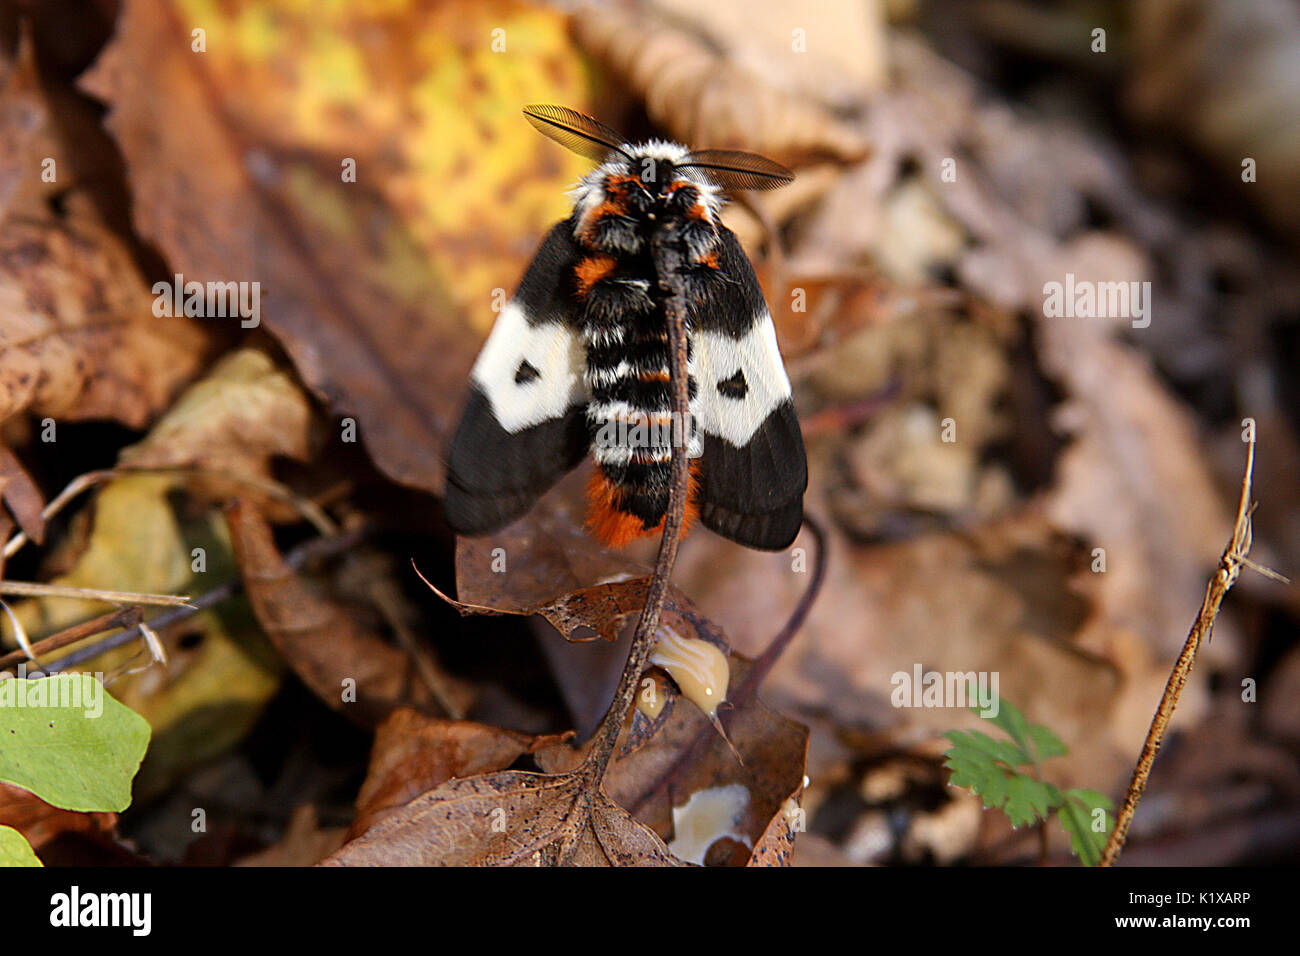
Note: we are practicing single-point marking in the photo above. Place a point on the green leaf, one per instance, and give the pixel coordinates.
(68, 741)
(1027, 800)
(1076, 819)
(980, 742)
(1046, 743)
(987, 767)
(1004, 750)
(15, 850)
(1012, 720)
(1091, 798)
(971, 774)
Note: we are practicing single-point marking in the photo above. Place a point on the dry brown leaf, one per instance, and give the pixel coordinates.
(39, 822)
(377, 290)
(305, 842)
(1132, 479)
(510, 818)
(776, 845)
(244, 412)
(414, 753)
(545, 553)
(704, 100)
(588, 614)
(688, 756)
(24, 130)
(832, 52)
(325, 647)
(78, 339)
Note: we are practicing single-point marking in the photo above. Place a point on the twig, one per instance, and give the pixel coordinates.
(75, 487)
(386, 598)
(668, 262)
(1230, 565)
(311, 511)
(36, 589)
(764, 662)
(122, 617)
(296, 558)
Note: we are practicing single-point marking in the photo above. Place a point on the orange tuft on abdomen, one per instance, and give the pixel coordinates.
(617, 528)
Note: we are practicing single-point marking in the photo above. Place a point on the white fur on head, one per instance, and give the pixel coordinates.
(590, 191)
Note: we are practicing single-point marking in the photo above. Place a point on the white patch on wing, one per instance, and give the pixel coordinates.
(551, 348)
(716, 358)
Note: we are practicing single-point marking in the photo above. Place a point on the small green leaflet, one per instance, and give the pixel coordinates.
(991, 769)
(1077, 814)
(68, 741)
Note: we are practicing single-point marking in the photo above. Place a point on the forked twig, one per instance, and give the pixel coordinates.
(1234, 558)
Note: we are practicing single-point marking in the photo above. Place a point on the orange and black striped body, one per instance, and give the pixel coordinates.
(625, 333)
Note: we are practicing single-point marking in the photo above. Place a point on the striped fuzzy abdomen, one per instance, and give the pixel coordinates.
(629, 413)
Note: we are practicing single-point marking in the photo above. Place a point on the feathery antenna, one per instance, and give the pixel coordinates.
(574, 131)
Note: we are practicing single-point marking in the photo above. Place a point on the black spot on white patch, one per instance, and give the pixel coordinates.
(526, 373)
(735, 387)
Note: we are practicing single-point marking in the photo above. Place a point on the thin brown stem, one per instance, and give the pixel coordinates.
(1225, 576)
(122, 617)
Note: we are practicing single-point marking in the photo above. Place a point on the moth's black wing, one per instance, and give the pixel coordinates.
(524, 425)
(753, 470)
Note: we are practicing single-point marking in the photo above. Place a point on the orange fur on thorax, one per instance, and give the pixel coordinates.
(591, 270)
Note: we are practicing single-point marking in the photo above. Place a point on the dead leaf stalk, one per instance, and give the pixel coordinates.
(37, 589)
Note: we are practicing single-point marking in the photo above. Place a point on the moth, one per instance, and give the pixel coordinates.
(578, 359)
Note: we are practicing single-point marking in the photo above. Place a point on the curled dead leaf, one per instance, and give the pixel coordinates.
(705, 100)
(327, 649)
(687, 756)
(241, 414)
(21, 496)
(588, 614)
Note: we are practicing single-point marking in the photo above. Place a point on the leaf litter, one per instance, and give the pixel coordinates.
(922, 304)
